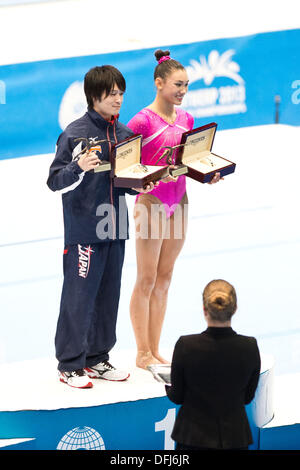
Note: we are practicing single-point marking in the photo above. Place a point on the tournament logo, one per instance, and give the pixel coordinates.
(73, 104)
(81, 438)
(227, 97)
(84, 260)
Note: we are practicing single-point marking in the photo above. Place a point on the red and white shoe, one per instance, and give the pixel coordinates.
(76, 378)
(104, 370)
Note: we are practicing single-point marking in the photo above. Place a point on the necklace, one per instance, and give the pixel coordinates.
(168, 119)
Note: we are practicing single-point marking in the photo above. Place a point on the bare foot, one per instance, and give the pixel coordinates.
(160, 358)
(145, 359)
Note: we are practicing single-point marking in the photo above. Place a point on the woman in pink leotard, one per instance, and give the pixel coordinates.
(161, 215)
(158, 133)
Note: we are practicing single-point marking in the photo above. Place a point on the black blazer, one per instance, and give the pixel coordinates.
(213, 375)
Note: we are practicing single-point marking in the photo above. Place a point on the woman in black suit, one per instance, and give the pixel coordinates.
(214, 374)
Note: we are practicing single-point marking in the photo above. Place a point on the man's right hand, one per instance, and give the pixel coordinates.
(88, 161)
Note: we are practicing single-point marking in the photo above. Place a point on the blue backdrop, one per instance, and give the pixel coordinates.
(233, 81)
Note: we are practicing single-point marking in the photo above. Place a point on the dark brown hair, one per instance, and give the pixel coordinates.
(167, 66)
(219, 300)
(99, 80)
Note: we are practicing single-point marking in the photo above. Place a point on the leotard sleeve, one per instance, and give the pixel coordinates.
(139, 124)
(190, 120)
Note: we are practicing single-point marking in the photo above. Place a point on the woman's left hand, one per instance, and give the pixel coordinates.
(170, 178)
(216, 178)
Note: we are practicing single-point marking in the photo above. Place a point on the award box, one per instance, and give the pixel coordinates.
(127, 170)
(196, 153)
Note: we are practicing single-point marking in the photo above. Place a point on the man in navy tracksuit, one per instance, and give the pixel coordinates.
(96, 227)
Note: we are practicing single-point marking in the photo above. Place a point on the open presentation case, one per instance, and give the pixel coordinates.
(196, 153)
(128, 171)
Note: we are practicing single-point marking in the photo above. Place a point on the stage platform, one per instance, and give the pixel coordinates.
(283, 431)
(40, 413)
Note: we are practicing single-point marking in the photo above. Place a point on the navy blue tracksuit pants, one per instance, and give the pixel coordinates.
(86, 327)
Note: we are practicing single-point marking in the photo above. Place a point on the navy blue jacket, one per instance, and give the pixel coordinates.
(94, 210)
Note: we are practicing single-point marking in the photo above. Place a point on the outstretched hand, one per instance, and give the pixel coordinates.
(170, 178)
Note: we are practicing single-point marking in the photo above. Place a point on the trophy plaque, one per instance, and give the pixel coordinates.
(178, 170)
(174, 170)
(92, 145)
(195, 152)
(128, 171)
(102, 166)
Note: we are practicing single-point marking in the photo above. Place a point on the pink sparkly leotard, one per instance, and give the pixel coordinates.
(158, 133)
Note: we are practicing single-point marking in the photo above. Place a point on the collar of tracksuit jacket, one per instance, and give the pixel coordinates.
(99, 119)
(108, 127)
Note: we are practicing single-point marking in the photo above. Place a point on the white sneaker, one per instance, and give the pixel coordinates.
(104, 370)
(76, 378)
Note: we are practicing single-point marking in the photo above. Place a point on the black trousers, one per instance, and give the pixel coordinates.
(86, 327)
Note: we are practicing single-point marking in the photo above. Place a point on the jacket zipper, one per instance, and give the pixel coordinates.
(111, 182)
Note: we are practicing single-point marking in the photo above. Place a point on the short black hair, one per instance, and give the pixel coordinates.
(99, 80)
